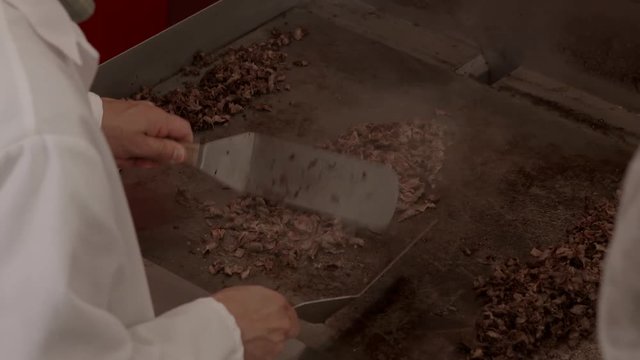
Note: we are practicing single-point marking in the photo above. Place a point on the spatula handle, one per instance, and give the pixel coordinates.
(192, 155)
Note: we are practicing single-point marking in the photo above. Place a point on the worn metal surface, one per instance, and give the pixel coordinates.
(360, 192)
(162, 55)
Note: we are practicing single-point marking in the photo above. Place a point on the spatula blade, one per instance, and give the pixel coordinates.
(357, 191)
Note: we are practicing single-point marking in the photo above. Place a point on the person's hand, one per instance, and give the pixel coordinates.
(143, 135)
(265, 318)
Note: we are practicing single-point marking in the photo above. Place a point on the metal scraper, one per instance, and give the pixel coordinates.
(360, 192)
(318, 311)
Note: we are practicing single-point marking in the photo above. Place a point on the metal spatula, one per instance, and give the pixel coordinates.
(361, 192)
(318, 311)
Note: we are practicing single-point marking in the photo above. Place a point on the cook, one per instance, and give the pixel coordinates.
(72, 283)
(619, 300)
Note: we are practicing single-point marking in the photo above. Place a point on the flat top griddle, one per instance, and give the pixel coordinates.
(514, 175)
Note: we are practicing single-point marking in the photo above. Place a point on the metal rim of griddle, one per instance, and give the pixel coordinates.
(163, 55)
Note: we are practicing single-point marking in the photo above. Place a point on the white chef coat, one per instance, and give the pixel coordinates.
(619, 301)
(72, 282)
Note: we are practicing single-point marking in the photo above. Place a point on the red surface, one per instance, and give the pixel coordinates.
(118, 25)
(180, 9)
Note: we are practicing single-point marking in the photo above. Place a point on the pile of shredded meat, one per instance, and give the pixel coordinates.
(548, 300)
(232, 81)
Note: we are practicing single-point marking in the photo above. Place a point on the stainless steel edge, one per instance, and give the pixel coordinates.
(320, 310)
(165, 53)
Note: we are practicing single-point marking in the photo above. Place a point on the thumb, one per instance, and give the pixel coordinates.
(160, 150)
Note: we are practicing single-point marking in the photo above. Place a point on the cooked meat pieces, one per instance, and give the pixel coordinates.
(414, 149)
(231, 82)
(271, 233)
(549, 299)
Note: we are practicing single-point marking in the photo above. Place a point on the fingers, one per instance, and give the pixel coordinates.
(165, 133)
(125, 163)
(136, 163)
(294, 329)
(170, 126)
(179, 129)
(141, 134)
(265, 318)
(158, 150)
(277, 349)
(145, 164)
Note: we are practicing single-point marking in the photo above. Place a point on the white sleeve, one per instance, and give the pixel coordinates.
(96, 107)
(63, 263)
(619, 302)
(200, 330)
